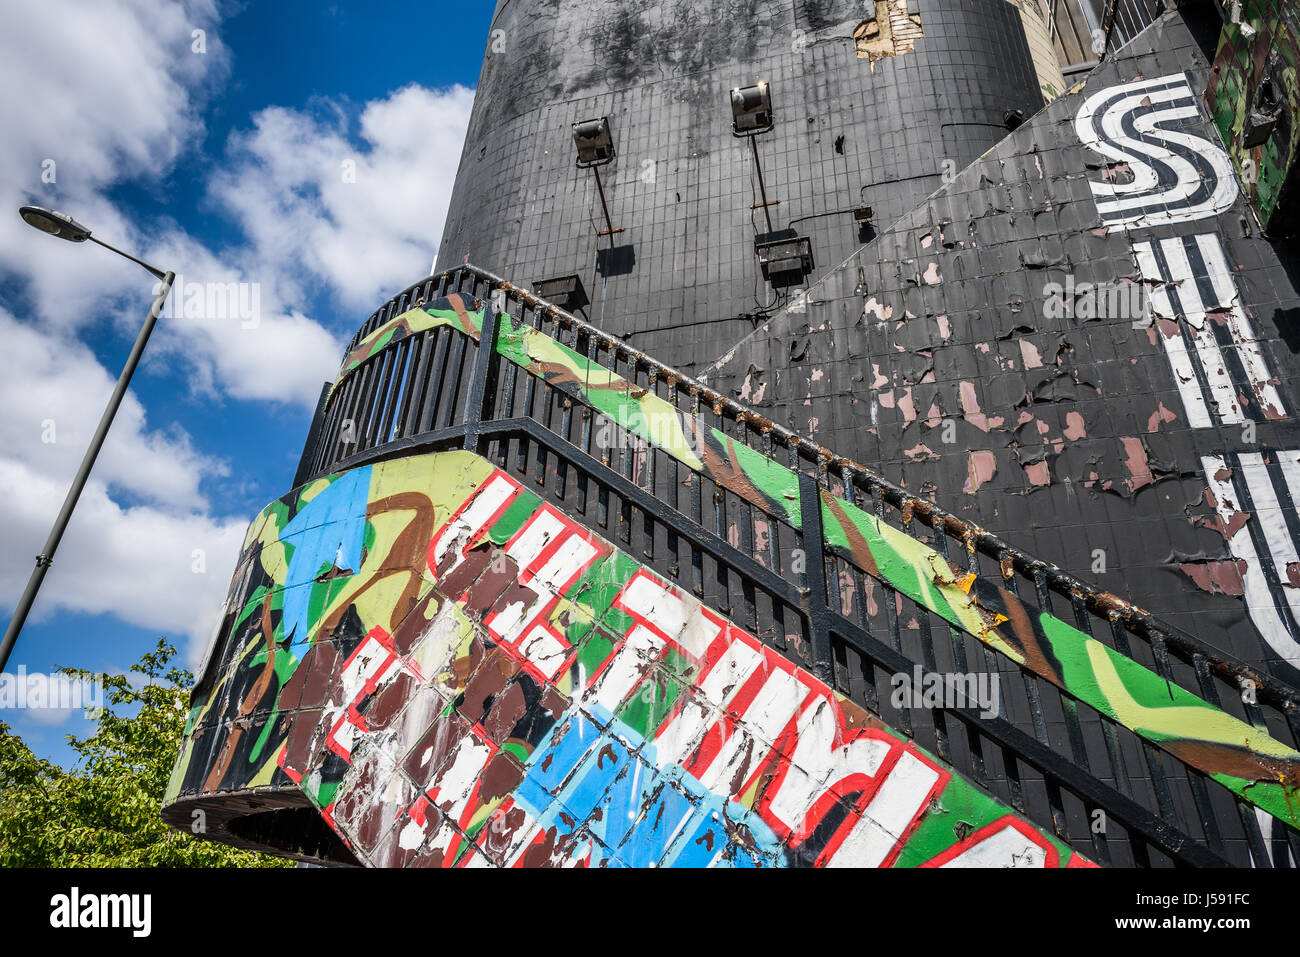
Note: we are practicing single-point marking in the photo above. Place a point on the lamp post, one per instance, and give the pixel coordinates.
(65, 227)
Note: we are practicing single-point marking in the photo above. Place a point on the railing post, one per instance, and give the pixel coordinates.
(313, 438)
(1108, 25)
(819, 618)
(482, 383)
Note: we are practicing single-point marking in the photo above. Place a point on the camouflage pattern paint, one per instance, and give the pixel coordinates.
(1264, 43)
(450, 311)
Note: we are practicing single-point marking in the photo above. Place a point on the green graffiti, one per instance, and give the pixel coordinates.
(468, 319)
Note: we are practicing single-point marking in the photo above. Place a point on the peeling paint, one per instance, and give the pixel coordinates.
(1029, 354)
(889, 30)
(873, 307)
(1161, 416)
(971, 408)
(1074, 427)
(1216, 577)
(1038, 473)
(921, 453)
(980, 468)
(1135, 461)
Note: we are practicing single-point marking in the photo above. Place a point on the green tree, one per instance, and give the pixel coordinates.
(106, 811)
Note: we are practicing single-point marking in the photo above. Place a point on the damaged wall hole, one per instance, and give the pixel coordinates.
(889, 30)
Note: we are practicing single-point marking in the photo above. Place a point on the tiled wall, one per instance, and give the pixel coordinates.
(682, 185)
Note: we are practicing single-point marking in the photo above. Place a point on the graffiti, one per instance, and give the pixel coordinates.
(1176, 175)
(1261, 770)
(1221, 372)
(451, 311)
(1194, 300)
(499, 686)
(453, 672)
(1226, 748)
(1253, 498)
(1254, 97)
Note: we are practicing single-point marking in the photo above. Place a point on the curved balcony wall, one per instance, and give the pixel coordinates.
(499, 558)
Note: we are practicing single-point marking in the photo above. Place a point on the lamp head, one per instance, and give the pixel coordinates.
(55, 223)
(594, 141)
(751, 109)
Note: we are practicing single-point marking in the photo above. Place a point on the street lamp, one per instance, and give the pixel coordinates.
(65, 227)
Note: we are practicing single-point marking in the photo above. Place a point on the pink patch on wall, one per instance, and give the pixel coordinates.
(877, 309)
(971, 407)
(980, 467)
(1236, 519)
(1158, 417)
(1074, 426)
(1217, 578)
(1135, 460)
(907, 406)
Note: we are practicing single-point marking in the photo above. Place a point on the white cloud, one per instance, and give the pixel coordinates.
(365, 221)
(53, 394)
(317, 211)
(129, 111)
(107, 92)
(138, 562)
(256, 348)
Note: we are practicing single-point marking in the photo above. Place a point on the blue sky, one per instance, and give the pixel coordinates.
(304, 151)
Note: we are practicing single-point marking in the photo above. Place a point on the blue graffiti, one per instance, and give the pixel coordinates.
(326, 533)
(604, 789)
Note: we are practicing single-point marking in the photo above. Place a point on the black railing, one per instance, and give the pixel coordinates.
(1052, 757)
(1086, 31)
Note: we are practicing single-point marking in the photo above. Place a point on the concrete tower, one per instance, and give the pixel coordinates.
(872, 104)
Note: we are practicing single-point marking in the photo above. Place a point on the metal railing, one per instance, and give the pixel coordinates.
(1051, 756)
(1086, 31)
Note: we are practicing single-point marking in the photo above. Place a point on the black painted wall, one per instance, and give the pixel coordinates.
(932, 352)
(848, 133)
